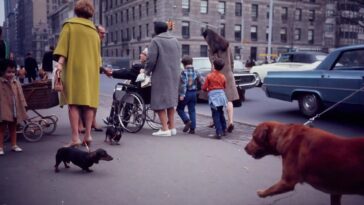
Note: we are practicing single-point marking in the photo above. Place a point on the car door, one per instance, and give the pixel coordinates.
(344, 78)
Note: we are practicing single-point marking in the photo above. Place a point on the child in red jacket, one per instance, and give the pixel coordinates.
(215, 84)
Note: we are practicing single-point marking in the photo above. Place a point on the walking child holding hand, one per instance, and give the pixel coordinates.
(215, 84)
(12, 104)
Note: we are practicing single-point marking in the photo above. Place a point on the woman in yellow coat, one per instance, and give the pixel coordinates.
(79, 59)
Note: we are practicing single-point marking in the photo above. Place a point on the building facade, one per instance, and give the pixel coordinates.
(297, 25)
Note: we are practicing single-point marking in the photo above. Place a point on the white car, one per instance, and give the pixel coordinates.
(295, 61)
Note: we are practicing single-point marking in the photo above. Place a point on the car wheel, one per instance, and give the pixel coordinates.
(309, 104)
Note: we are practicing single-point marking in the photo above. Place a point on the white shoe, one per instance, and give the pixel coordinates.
(173, 131)
(1, 151)
(15, 148)
(162, 133)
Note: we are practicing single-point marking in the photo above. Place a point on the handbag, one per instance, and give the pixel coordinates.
(58, 85)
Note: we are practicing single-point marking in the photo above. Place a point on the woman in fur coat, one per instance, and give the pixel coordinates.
(219, 48)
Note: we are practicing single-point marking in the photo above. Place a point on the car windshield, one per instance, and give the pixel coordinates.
(301, 57)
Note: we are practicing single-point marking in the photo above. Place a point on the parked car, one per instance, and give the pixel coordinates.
(294, 61)
(243, 78)
(338, 76)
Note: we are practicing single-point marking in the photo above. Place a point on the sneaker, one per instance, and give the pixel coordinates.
(15, 148)
(1, 151)
(166, 133)
(187, 126)
(173, 131)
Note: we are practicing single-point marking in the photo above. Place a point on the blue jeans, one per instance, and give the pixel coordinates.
(219, 119)
(189, 100)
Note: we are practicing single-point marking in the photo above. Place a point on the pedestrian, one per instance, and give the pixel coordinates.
(31, 67)
(79, 60)
(47, 62)
(21, 74)
(4, 51)
(188, 94)
(249, 63)
(12, 104)
(164, 66)
(219, 48)
(215, 85)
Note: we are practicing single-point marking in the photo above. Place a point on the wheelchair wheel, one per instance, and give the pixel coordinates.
(32, 132)
(48, 124)
(132, 112)
(152, 119)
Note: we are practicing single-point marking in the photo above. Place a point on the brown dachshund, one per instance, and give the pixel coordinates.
(332, 164)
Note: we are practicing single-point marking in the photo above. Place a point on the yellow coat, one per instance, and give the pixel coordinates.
(79, 43)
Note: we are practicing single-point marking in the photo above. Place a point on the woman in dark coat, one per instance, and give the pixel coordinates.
(219, 48)
(164, 64)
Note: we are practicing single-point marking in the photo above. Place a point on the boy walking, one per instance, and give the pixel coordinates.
(215, 84)
(187, 94)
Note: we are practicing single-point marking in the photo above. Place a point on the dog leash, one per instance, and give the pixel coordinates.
(312, 119)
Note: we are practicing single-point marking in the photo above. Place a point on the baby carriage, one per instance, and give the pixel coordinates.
(38, 95)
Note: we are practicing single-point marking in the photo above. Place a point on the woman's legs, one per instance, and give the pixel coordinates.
(170, 113)
(163, 118)
(230, 114)
(89, 113)
(74, 117)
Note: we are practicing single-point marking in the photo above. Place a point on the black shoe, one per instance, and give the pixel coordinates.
(218, 136)
(192, 131)
(230, 128)
(187, 126)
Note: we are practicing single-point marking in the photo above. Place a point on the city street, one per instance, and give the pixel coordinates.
(183, 169)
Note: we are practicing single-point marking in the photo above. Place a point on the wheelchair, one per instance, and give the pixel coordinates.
(130, 108)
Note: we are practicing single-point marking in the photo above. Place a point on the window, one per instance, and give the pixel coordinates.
(222, 29)
(147, 8)
(298, 15)
(330, 13)
(140, 32)
(351, 60)
(237, 32)
(297, 34)
(127, 15)
(185, 5)
(329, 27)
(204, 6)
(203, 51)
(236, 52)
(253, 53)
(133, 10)
(155, 6)
(122, 35)
(284, 13)
(283, 35)
(185, 29)
(267, 33)
(133, 32)
(127, 34)
(140, 11)
(185, 50)
(255, 12)
(253, 33)
(311, 15)
(310, 37)
(121, 16)
(238, 9)
(221, 7)
(147, 30)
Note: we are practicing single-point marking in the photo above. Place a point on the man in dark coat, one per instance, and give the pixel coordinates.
(31, 67)
(47, 62)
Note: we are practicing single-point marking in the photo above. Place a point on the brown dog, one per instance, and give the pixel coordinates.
(331, 164)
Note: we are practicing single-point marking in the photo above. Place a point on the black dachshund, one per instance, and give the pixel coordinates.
(113, 134)
(80, 158)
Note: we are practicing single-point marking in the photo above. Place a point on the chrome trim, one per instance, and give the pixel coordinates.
(309, 87)
(247, 85)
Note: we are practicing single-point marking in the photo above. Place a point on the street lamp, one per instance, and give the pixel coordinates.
(270, 31)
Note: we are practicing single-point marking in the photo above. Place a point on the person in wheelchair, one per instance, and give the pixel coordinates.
(131, 74)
